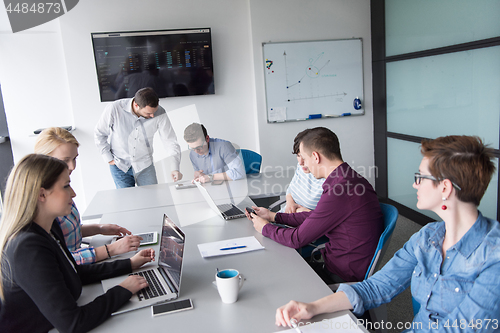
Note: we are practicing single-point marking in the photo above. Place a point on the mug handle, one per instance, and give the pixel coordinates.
(242, 279)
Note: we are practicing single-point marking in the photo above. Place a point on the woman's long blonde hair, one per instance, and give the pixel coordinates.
(32, 173)
(51, 138)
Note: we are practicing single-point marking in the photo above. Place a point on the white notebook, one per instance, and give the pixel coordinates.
(229, 246)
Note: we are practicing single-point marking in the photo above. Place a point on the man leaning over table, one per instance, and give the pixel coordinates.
(212, 159)
(348, 213)
(124, 136)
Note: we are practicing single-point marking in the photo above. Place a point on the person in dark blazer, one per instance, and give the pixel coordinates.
(40, 281)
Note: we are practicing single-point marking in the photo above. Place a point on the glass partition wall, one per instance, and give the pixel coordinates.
(436, 72)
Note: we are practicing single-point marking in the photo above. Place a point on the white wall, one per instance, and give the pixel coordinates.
(34, 86)
(48, 75)
(299, 20)
(231, 105)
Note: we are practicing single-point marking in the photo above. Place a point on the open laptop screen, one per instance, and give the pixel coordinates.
(171, 249)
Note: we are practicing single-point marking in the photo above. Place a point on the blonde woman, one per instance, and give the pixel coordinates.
(40, 281)
(61, 144)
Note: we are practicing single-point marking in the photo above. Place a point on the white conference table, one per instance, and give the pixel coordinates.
(274, 276)
(151, 196)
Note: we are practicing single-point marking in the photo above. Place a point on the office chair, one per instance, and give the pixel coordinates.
(276, 205)
(308, 250)
(251, 159)
(390, 214)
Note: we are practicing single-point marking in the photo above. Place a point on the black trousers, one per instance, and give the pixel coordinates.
(327, 276)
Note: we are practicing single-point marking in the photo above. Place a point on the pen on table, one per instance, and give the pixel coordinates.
(233, 247)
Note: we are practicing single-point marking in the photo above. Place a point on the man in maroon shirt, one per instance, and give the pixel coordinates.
(348, 213)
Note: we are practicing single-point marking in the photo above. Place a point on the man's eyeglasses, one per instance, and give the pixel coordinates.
(199, 147)
(419, 177)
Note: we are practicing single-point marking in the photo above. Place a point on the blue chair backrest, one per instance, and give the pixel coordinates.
(251, 159)
(390, 214)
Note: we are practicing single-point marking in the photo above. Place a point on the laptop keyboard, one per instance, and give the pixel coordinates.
(154, 289)
(229, 210)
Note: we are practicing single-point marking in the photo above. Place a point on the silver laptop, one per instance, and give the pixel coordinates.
(165, 279)
(227, 211)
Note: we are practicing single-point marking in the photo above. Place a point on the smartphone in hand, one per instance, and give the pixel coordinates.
(250, 211)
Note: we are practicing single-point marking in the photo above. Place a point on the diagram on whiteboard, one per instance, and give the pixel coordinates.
(306, 79)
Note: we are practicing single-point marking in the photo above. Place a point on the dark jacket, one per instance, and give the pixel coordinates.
(41, 286)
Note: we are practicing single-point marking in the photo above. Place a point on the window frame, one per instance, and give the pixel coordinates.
(379, 83)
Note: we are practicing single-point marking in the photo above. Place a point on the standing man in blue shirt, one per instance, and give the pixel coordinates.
(212, 159)
(124, 136)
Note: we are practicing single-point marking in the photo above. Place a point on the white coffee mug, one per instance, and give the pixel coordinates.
(229, 283)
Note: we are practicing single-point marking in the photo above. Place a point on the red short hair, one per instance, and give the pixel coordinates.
(462, 159)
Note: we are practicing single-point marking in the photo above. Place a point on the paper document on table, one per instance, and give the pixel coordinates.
(229, 246)
(342, 323)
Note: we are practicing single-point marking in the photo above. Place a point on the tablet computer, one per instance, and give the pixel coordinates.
(148, 238)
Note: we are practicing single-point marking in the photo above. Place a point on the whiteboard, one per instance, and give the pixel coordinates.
(313, 79)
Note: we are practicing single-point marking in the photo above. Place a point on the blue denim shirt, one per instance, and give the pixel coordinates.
(458, 293)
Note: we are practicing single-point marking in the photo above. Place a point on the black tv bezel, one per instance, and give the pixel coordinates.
(149, 32)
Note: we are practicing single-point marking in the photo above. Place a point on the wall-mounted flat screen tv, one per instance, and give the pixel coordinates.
(172, 62)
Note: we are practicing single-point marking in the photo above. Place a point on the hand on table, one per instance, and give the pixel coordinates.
(124, 245)
(142, 257)
(113, 229)
(259, 218)
(295, 310)
(134, 283)
(258, 222)
(176, 175)
(264, 213)
(199, 176)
